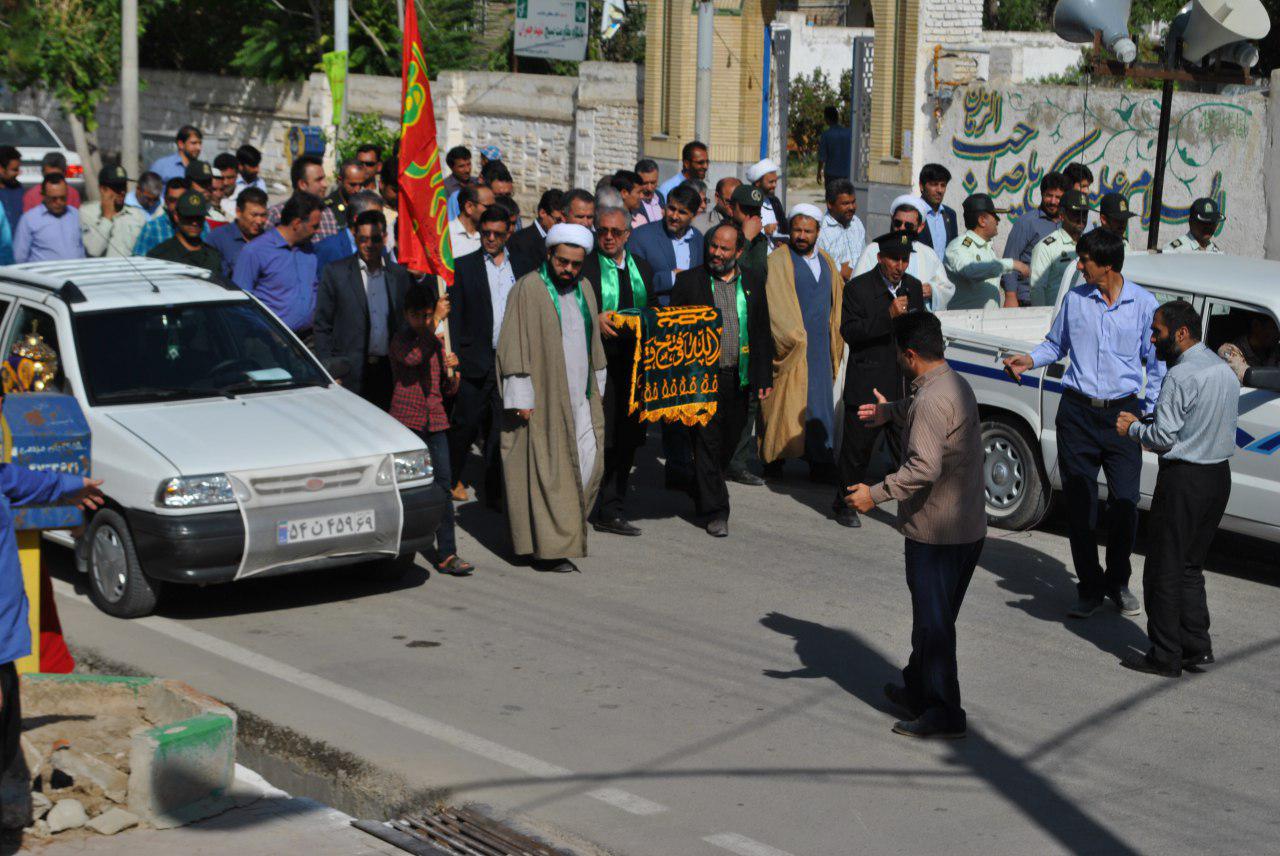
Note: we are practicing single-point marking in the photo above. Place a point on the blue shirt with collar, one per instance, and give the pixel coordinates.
(1196, 415)
(283, 277)
(230, 242)
(1109, 346)
(21, 486)
(1028, 230)
(671, 184)
(43, 237)
(334, 248)
(169, 167)
(6, 242)
(11, 198)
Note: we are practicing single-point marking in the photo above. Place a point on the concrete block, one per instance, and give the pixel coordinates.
(175, 768)
(86, 768)
(67, 814)
(112, 821)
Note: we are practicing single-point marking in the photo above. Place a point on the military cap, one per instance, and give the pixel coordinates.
(1206, 211)
(895, 245)
(1115, 207)
(980, 203)
(748, 196)
(192, 204)
(1076, 201)
(199, 171)
(112, 174)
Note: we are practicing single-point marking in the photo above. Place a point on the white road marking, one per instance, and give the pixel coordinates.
(394, 713)
(742, 845)
(627, 801)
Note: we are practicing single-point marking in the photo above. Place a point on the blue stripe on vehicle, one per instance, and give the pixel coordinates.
(1265, 446)
(998, 374)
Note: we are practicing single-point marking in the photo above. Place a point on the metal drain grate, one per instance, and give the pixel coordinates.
(454, 832)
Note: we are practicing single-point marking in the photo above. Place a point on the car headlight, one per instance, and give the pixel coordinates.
(194, 491)
(414, 465)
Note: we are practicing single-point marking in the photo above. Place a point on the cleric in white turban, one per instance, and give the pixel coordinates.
(551, 367)
(764, 175)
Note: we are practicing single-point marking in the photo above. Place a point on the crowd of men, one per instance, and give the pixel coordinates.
(830, 350)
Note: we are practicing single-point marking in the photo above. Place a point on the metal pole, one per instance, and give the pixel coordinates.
(341, 19)
(129, 131)
(1157, 184)
(782, 68)
(400, 17)
(702, 102)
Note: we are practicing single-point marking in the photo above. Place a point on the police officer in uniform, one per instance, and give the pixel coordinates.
(1057, 252)
(186, 245)
(1114, 215)
(1203, 222)
(972, 264)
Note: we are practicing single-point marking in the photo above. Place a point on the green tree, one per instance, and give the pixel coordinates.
(366, 128)
(810, 96)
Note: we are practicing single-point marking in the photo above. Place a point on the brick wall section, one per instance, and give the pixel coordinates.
(950, 21)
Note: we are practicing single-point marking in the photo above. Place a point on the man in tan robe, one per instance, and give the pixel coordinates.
(552, 369)
(804, 317)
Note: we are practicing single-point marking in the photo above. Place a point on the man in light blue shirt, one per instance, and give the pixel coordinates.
(189, 141)
(694, 163)
(940, 224)
(1194, 432)
(275, 269)
(1103, 327)
(51, 230)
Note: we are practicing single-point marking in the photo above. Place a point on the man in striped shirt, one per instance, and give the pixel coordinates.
(942, 513)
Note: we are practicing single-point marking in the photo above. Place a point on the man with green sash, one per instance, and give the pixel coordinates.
(621, 281)
(552, 369)
(745, 363)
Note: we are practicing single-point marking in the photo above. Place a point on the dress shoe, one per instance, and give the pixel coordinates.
(1197, 662)
(899, 698)
(846, 516)
(928, 726)
(555, 566)
(718, 528)
(615, 526)
(1126, 601)
(744, 477)
(1148, 666)
(1085, 607)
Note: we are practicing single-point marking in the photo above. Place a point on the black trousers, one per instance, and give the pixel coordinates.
(623, 436)
(746, 458)
(10, 715)
(477, 412)
(857, 445)
(1186, 509)
(714, 445)
(938, 576)
(1087, 443)
(377, 383)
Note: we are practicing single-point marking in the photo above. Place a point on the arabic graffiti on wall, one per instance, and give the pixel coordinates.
(1007, 141)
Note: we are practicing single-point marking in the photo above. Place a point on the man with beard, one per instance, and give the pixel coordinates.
(721, 211)
(804, 292)
(942, 513)
(924, 264)
(694, 163)
(746, 355)
(842, 235)
(553, 373)
(1054, 255)
(1194, 432)
(871, 303)
(940, 227)
(620, 282)
(764, 175)
(1103, 326)
(1027, 233)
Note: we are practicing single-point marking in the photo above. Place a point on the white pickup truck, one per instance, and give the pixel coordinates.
(1019, 439)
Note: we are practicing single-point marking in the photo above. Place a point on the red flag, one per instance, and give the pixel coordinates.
(422, 243)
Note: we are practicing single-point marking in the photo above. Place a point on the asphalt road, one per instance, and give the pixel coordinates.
(687, 696)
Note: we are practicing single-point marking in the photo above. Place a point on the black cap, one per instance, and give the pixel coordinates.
(1076, 201)
(980, 203)
(199, 171)
(748, 196)
(113, 175)
(1206, 211)
(192, 204)
(896, 245)
(1115, 207)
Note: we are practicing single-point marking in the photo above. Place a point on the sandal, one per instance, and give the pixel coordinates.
(455, 567)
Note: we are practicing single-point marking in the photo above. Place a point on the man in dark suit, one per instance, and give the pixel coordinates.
(528, 247)
(482, 282)
(870, 304)
(342, 245)
(359, 305)
(740, 297)
(940, 227)
(621, 281)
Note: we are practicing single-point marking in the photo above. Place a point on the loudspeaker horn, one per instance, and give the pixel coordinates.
(1217, 23)
(1077, 20)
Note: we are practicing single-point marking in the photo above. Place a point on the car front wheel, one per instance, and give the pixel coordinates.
(117, 584)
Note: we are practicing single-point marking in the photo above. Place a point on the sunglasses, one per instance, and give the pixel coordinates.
(905, 224)
(369, 162)
(368, 239)
(616, 233)
(493, 233)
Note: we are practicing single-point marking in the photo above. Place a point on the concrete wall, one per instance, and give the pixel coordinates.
(816, 47)
(1003, 140)
(553, 131)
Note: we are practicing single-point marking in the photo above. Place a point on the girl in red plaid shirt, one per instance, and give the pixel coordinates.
(423, 373)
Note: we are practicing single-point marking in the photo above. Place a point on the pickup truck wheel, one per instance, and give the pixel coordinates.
(117, 585)
(1016, 489)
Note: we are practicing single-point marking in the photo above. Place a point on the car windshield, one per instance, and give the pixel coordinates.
(161, 353)
(26, 133)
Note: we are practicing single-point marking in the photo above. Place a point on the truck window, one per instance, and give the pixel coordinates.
(28, 321)
(1253, 330)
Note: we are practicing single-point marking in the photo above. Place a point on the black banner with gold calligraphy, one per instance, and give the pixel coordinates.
(677, 349)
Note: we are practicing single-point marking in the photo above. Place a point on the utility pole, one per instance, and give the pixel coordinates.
(341, 19)
(702, 99)
(129, 131)
(400, 17)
